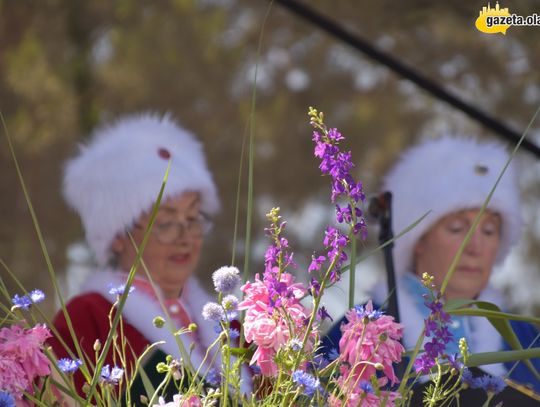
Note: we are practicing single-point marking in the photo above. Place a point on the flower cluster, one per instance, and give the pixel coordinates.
(370, 343)
(338, 165)
(436, 328)
(22, 359)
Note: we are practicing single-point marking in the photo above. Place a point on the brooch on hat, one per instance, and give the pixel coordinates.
(164, 153)
(481, 169)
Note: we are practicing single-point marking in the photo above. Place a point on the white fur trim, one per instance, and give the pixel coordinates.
(140, 310)
(444, 176)
(484, 338)
(118, 174)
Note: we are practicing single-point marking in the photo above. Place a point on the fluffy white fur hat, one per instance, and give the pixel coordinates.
(118, 174)
(447, 175)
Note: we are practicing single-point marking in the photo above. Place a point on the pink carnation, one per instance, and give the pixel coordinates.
(27, 346)
(180, 401)
(362, 399)
(268, 327)
(12, 376)
(374, 340)
(22, 358)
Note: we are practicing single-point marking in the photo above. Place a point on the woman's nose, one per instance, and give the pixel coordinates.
(474, 246)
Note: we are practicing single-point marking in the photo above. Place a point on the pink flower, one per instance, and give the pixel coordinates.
(22, 358)
(180, 401)
(363, 399)
(27, 346)
(269, 326)
(12, 376)
(371, 337)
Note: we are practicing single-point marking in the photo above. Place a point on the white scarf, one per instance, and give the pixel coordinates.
(483, 338)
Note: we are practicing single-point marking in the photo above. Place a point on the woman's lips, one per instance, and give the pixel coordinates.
(180, 258)
(470, 270)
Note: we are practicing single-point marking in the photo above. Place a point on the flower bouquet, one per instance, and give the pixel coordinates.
(269, 348)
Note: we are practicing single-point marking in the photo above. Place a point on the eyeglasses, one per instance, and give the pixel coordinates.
(168, 232)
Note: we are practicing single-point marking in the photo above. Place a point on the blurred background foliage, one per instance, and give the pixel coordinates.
(68, 65)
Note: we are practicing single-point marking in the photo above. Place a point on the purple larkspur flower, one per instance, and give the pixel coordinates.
(322, 313)
(315, 287)
(309, 383)
(316, 263)
(436, 328)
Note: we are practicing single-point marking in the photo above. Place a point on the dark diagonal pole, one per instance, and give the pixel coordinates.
(331, 27)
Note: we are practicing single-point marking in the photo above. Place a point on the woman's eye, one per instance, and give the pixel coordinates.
(164, 225)
(456, 227)
(489, 229)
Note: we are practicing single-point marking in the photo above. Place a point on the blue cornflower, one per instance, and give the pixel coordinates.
(119, 290)
(68, 365)
(333, 354)
(213, 312)
(295, 344)
(366, 386)
(109, 376)
(371, 315)
(23, 302)
(26, 301)
(310, 383)
(467, 378)
(319, 361)
(6, 399)
(234, 333)
(213, 378)
(226, 279)
(36, 296)
(491, 384)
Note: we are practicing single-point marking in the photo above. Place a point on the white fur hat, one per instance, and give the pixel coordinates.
(447, 175)
(118, 174)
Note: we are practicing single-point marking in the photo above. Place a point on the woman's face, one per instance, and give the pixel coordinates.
(172, 251)
(435, 251)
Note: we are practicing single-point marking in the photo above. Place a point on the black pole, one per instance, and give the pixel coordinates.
(380, 207)
(331, 27)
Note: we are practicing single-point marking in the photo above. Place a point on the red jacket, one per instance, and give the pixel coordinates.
(89, 314)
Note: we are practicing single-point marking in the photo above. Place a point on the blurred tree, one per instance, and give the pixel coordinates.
(67, 65)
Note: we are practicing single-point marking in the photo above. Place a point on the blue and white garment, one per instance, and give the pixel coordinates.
(480, 334)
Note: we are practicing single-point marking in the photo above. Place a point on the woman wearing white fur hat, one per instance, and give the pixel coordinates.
(113, 184)
(451, 177)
